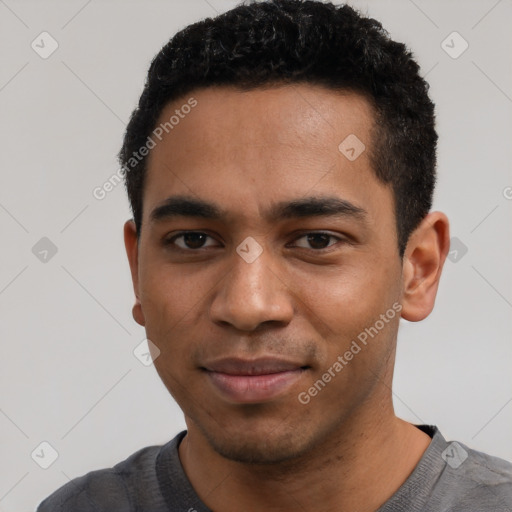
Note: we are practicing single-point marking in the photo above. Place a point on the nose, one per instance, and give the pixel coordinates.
(252, 294)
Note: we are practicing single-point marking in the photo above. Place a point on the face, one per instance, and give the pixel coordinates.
(257, 293)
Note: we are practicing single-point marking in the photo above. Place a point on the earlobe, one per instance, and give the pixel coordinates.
(424, 258)
(131, 245)
(137, 313)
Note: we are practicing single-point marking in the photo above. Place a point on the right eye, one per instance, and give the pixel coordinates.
(189, 240)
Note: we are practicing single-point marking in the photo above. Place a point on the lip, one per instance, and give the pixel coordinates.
(253, 381)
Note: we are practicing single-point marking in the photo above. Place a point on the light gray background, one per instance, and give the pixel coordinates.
(68, 372)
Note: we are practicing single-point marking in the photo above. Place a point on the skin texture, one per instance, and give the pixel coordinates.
(245, 151)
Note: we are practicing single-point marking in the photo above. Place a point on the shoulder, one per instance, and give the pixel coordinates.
(473, 480)
(115, 489)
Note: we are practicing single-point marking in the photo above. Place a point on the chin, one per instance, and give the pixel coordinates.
(273, 445)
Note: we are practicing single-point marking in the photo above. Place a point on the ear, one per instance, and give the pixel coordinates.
(132, 251)
(423, 262)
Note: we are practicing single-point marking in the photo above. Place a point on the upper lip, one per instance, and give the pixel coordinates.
(260, 366)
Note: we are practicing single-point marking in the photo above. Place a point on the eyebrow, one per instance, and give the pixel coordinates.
(330, 206)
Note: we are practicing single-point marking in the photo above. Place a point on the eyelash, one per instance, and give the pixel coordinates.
(170, 241)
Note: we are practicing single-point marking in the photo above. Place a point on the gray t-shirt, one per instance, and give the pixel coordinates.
(450, 477)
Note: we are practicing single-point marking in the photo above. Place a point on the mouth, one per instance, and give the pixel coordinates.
(253, 381)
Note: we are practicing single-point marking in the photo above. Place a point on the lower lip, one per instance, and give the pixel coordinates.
(254, 388)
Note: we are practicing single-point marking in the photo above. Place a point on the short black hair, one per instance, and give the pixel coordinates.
(278, 42)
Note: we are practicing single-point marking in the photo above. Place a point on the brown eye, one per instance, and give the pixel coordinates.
(189, 240)
(318, 241)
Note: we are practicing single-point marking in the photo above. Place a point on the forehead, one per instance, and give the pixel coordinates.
(246, 150)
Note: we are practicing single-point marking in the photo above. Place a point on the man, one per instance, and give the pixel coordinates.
(280, 167)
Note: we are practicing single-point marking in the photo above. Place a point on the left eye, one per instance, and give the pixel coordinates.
(317, 241)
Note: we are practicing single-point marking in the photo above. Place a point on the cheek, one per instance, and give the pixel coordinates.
(169, 295)
(348, 306)
(350, 296)
(174, 306)
(162, 310)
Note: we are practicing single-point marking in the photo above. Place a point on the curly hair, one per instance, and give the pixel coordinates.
(275, 42)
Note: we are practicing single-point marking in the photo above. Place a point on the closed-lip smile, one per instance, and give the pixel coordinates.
(253, 380)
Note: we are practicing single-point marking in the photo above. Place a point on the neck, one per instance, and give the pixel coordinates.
(359, 467)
